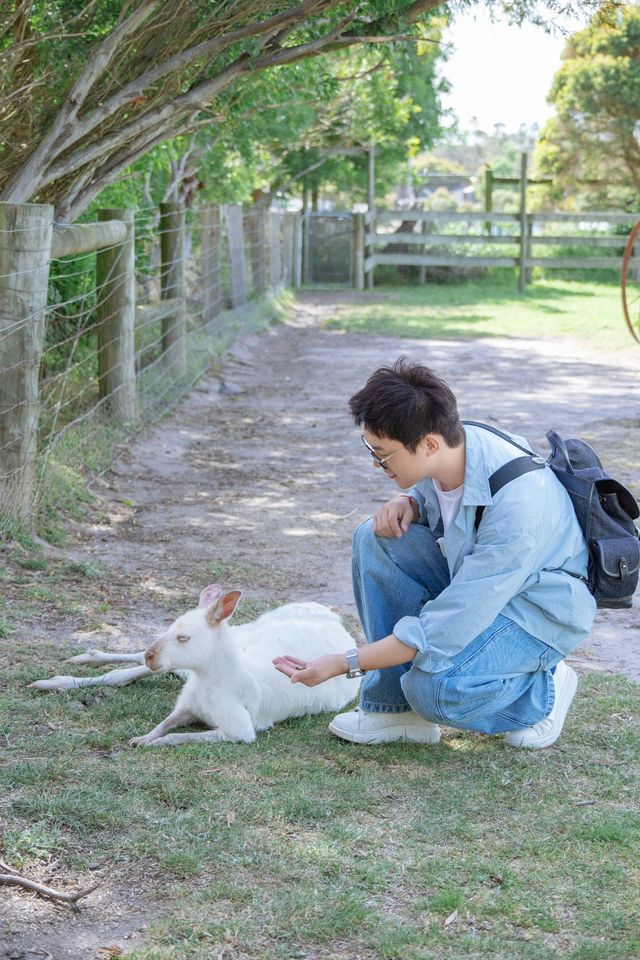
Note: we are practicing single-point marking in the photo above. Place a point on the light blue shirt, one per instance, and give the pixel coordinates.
(519, 564)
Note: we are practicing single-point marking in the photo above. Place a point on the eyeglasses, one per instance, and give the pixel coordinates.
(382, 461)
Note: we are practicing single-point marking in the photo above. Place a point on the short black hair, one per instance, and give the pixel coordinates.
(406, 401)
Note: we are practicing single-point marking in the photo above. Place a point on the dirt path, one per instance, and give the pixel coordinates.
(258, 480)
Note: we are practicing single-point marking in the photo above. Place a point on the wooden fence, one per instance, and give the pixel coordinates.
(131, 340)
(510, 241)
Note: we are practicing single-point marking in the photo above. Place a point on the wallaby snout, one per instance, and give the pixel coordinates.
(152, 656)
(149, 657)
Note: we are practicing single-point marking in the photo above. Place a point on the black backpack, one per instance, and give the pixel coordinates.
(604, 507)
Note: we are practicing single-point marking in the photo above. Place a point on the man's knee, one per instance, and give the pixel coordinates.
(363, 536)
(419, 689)
(417, 541)
(414, 555)
(368, 548)
(448, 698)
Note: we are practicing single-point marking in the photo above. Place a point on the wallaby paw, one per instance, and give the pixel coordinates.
(140, 741)
(55, 683)
(91, 657)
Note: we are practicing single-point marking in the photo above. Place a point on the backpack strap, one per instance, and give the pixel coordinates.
(508, 471)
(514, 468)
(505, 474)
(499, 433)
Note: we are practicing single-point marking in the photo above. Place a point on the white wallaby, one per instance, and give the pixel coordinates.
(232, 686)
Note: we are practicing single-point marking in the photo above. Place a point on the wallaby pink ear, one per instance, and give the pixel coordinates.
(210, 595)
(224, 607)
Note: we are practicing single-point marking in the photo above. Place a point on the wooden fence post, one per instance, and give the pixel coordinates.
(522, 277)
(371, 177)
(255, 229)
(358, 251)
(116, 312)
(210, 236)
(424, 229)
(172, 285)
(306, 238)
(235, 241)
(529, 251)
(25, 251)
(276, 222)
(488, 196)
(371, 203)
(307, 242)
(289, 249)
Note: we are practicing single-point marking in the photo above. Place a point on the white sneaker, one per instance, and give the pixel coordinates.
(358, 726)
(545, 732)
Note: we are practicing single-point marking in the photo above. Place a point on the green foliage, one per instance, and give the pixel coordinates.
(468, 151)
(308, 124)
(248, 85)
(596, 93)
(440, 200)
(506, 162)
(430, 162)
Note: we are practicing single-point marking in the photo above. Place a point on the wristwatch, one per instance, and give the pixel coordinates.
(355, 670)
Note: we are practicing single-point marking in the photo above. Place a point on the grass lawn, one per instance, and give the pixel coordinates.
(304, 846)
(491, 307)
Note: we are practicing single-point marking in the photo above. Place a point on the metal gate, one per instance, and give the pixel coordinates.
(326, 248)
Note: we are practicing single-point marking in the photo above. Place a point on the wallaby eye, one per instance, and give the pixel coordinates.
(182, 638)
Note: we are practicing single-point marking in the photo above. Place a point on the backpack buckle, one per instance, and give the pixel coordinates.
(623, 567)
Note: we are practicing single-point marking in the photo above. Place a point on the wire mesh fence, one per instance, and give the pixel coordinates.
(109, 336)
(327, 248)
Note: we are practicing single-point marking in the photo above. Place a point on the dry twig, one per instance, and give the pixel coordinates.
(13, 878)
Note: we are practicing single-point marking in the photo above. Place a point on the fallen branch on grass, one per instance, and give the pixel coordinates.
(17, 880)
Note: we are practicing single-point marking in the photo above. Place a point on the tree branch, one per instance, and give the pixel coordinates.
(194, 98)
(23, 8)
(363, 73)
(165, 113)
(413, 12)
(10, 878)
(72, 206)
(19, 188)
(67, 132)
(110, 171)
(417, 9)
(299, 176)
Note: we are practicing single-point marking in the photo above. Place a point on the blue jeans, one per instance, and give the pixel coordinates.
(500, 681)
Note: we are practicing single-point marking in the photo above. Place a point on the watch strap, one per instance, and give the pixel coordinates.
(355, 670)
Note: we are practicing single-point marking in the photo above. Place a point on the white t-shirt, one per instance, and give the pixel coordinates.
(449, 501)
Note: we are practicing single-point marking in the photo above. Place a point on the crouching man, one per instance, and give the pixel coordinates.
(469, 601)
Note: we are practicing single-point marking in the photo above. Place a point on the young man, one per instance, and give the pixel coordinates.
(467, 613)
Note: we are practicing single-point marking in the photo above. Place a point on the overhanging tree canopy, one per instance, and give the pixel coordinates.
(89, 87)
(275, 137)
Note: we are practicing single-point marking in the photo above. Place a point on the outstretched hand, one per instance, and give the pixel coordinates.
(311, 672)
